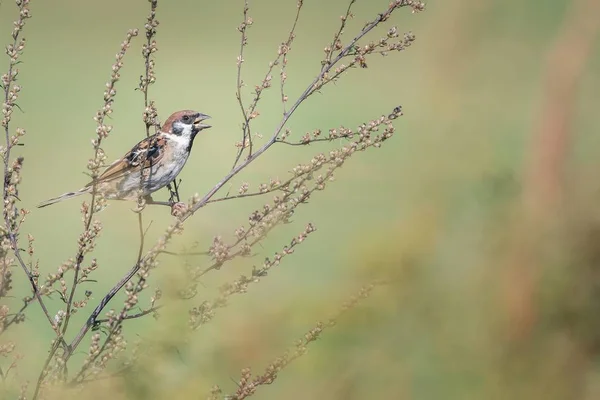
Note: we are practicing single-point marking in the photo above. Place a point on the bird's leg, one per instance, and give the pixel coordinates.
(177, 207)
(174, 190)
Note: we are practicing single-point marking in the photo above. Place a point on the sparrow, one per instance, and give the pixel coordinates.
(150, 165)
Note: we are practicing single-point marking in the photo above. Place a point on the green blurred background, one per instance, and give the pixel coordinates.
(434, 208)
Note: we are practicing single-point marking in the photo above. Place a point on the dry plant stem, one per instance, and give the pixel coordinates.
(142, 236)
(34, 287)
(244, 41)
(116, 327)
(10, 95)
(97, 161)
(91, 321)
(277, 187)
(16, 316)
(206, 311)
(272, 140)
(134, 316)
(250, 113)
(282, 80)
(254, 194)
(336, 38)
(192, 253)
(4, 374)
(305, 143)
(149, 119)
(150, 113)
(284, 51)
(284, 206)
(94, 166)
(44, 371)
(244, 238)
(142, 269)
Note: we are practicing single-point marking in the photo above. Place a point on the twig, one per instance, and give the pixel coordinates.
(305, 143)
(282, 217)
(142, 236)
(90, 233)
(284, 51)
(44, 371)
(134, 316)
(240, 60)
(11, 93)
(16, 316)
(150, 116)
(265, 84)
(205, 312)
(336, 44)
(13, 365)
(91, 321)
(194, 253)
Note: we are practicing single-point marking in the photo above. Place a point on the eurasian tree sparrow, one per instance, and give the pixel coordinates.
(151, 164)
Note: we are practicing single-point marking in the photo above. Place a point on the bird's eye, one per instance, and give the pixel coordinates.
(186, 118)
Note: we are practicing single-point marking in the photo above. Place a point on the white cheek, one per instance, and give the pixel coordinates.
(186, 130)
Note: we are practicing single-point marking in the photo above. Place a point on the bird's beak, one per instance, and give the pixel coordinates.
(198, 121)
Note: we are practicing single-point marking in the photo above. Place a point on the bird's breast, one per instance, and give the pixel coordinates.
(167, 169)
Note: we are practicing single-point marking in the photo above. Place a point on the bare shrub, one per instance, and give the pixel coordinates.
(106, 328)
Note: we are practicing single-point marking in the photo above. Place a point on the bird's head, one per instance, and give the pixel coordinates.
(185, 124)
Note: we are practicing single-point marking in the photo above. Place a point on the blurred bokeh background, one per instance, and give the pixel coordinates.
(481, 212)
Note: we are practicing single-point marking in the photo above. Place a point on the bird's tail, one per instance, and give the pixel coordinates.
(64, 197)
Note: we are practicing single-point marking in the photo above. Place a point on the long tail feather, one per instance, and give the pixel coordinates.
(64, 197)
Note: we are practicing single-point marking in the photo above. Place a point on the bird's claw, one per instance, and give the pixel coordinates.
(178, 208)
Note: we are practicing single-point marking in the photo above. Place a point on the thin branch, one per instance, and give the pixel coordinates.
(134, 316)
(142, 236)
(150, 116)
(17, 316)
(10, 193)
(44, 371)
(205, 312)
(194, 253)
(336, 44)
(284, 51)
(265, 84)
(244, 41)
(92, 318)
(305, 143)
(34, 287)
(90, 233)
(282, 217)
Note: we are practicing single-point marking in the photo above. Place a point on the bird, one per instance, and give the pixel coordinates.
(150, 165)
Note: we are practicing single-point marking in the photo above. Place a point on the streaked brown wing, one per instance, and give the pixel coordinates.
(147, 152)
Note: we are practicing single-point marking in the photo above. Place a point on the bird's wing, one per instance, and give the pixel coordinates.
(143, 155)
